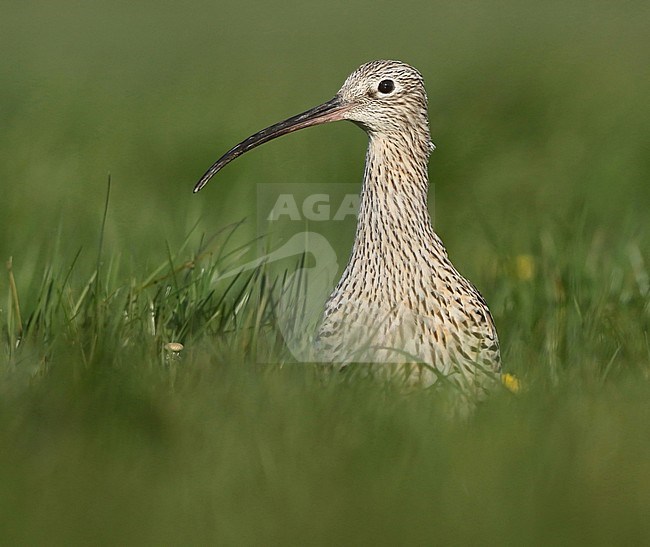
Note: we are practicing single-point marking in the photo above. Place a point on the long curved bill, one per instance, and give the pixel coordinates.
(327, 112)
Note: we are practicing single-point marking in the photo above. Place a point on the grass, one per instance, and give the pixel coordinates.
(540, 115)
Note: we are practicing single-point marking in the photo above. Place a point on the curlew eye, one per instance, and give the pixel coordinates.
(386, 86)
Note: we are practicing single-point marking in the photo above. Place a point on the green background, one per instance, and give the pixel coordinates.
(540, 189)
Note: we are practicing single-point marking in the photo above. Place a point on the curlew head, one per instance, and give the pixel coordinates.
(385, 98)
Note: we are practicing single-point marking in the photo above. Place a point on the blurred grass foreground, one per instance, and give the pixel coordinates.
(110, 435)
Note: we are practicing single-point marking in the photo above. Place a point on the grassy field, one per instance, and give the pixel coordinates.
(541, 118)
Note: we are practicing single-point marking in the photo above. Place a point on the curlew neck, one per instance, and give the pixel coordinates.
(394, 225)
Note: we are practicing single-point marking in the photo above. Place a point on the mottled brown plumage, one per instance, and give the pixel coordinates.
(400, 299)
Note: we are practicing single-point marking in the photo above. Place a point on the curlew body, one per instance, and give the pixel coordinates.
(400, 299)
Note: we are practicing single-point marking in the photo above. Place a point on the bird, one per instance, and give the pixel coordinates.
(400, 301)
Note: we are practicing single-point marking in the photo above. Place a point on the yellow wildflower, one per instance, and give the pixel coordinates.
(511, 382)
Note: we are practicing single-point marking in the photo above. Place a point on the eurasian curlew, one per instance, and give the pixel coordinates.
(400, 299)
